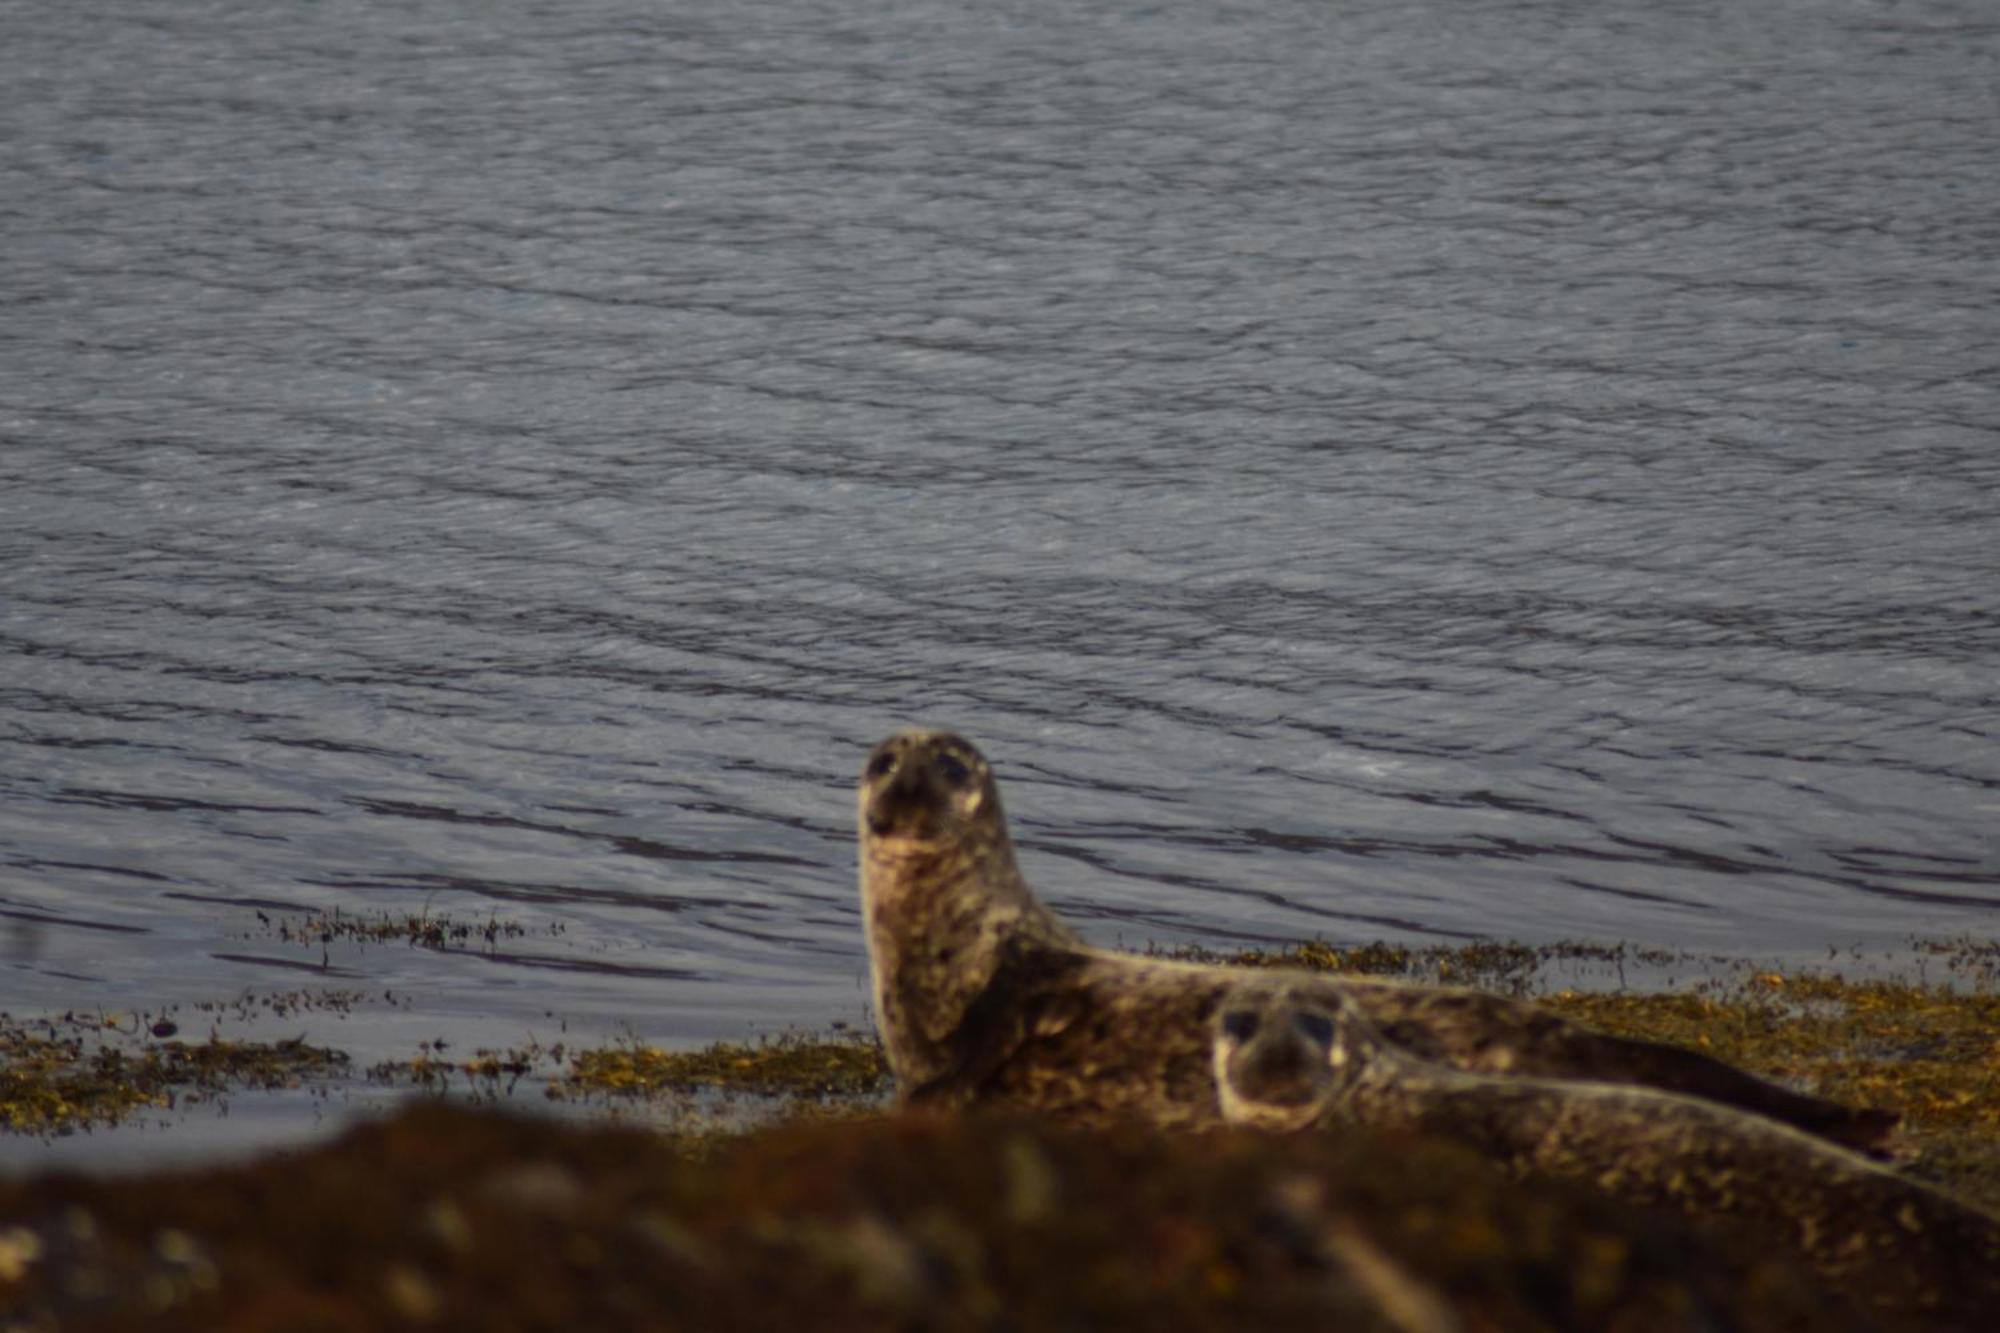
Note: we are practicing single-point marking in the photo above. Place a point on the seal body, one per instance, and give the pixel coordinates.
(983, 997)
(1288, 1059)
(941, 901)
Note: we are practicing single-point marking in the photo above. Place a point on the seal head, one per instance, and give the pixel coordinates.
(940, 893)
(1288, 1057)
(925, 791)
(1281, 1057)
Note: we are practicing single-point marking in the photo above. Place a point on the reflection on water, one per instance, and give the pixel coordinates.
(1359, 474)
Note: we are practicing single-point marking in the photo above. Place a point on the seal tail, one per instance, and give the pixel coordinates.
(1492, 1034)
(1864, 1129)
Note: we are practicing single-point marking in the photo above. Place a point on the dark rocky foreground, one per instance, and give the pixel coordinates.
(447, 1218)
(452, 1218)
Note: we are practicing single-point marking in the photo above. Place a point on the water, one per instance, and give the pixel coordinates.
(1361, 470)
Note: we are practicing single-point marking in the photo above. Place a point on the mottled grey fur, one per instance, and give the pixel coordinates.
(1288, 1058)
(984, 997)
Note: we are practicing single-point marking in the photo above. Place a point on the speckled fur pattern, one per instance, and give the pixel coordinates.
(1288, 1058)
(983, 997)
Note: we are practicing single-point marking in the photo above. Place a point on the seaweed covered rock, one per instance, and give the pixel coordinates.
(455, 1218)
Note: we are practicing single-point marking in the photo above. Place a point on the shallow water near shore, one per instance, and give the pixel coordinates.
(1383, 471)
(1908, 1033)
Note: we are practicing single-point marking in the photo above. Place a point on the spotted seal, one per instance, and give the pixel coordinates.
(984, 997)
(1287, 1057)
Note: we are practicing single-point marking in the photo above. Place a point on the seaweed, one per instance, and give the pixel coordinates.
(1926, 1047)
(790, 1065)
(65, 1077)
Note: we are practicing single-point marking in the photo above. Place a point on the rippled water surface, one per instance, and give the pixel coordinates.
(1360, 469)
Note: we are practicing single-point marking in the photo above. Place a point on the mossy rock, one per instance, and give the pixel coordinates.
(457, 1219)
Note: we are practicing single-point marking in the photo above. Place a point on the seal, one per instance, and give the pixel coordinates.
(1287, 1059)
(984, 998)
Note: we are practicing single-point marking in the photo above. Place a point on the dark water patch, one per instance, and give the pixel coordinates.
(47, 919)
(118, 800)
(320, 969)
(258, 905)
(659, 851)
(125, 872)
(410, 810)
(585, 965)
(651, 901)
(1670, 901)
(1937, 897)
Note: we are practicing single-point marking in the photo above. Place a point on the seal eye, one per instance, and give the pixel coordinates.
(1240, 1024)
(880, 765)
(952, 769)
(1317, 1027)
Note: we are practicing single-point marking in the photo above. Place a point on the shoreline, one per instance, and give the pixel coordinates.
(752, 1185)
(1910, 1033)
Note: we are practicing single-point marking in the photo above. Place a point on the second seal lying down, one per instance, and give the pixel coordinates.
(1288, 1061)
(984, 997)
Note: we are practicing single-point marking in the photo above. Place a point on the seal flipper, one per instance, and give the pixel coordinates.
(1658, 1065)
(1027, 997)
(1492, 1034)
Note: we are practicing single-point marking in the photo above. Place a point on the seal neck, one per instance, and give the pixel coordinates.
(938, 920)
